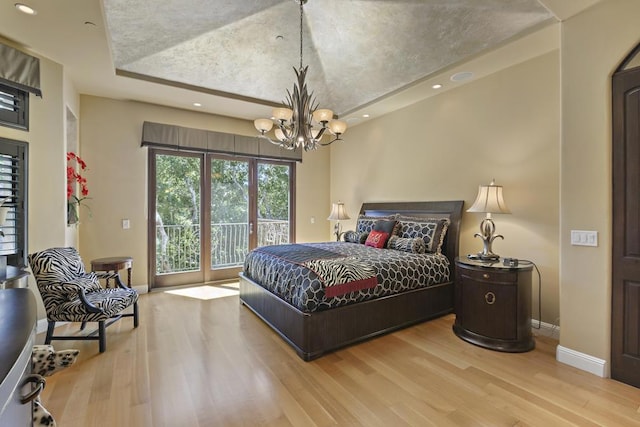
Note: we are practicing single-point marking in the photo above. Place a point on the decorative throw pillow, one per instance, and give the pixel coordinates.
(377, 239)
(355, 237)
(431, 230)
(407, 244)
(366, 223)
(386, 225)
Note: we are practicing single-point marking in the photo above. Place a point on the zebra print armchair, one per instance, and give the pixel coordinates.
(70, 294)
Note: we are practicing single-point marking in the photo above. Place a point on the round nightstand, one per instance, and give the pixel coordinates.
(493, 305)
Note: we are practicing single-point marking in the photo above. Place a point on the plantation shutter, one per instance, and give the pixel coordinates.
(14, 107)
(13, 193)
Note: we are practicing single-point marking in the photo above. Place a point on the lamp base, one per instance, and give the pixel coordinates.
(484, 257)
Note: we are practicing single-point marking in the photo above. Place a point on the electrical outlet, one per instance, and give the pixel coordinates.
(584, 238)
(313, 220)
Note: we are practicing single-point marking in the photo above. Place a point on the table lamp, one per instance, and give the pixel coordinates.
(489, 201)
(338, 213)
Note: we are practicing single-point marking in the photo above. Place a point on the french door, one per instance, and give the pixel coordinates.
(207, 211)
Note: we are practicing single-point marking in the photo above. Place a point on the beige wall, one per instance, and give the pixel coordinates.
(110, 135)
(505, 126)
(593, 45)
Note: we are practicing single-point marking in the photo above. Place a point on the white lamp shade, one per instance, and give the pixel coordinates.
(489, 200)
(338, 212)
(322, 115)
(282, 114)
(280, 135)
(263, 125)
(337, 127)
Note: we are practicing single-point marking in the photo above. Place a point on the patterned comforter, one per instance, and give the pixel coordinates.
(299, 273)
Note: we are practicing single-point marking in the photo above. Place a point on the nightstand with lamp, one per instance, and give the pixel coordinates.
(493, 296)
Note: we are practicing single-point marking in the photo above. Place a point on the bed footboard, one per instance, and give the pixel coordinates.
(314, 334)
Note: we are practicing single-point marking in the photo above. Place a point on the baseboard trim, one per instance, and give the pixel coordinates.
(546, 329)
(582, 361)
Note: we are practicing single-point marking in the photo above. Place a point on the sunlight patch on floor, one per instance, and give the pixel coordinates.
(207, 292)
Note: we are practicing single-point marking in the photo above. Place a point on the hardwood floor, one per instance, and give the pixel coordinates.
(196, 362)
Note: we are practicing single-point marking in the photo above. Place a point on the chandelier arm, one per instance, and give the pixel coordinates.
(324, 144)
(282, 144)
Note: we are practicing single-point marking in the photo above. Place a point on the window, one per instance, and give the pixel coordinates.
(14, 107)
(13, 193)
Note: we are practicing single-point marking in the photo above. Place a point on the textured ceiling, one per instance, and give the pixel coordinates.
(358, 51)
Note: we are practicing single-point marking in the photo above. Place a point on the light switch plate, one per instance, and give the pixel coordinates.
(584, 238)
(125, 224)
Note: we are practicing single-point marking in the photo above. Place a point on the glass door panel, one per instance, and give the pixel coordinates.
(273, 202)
(177, 204)
(229, 212)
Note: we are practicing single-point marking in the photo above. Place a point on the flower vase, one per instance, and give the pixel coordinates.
(72, 214)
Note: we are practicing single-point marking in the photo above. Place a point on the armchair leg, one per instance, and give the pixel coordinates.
(102, 338)
(135, 314)
(50, 327)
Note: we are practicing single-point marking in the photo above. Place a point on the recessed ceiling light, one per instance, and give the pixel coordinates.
(26, 9)
(366, 116)
(197, 104)
(461, 76)
(436, 86)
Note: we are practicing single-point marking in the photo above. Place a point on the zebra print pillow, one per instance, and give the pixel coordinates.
(406, 244)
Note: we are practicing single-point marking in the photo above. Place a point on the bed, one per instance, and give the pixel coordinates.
(314, 333)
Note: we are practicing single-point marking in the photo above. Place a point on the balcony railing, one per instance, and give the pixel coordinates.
(178, 246)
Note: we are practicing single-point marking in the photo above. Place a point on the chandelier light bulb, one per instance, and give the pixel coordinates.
(322, 115)
(280, 135)
(284, 114)
(263, 125)
(337, 127)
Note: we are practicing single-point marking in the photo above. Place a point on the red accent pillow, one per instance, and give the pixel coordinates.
(377, 239)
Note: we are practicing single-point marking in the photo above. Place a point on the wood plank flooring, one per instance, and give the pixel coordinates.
(195, 362)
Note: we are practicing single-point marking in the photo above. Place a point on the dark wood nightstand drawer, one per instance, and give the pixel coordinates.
(489, 309)
(492, 276)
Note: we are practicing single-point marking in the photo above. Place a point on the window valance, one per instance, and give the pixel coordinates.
(19, 70)
(159, 135)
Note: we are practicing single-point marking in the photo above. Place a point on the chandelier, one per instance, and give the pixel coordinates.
(301, 123)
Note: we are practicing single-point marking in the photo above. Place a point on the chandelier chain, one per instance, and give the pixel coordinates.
(301, 34)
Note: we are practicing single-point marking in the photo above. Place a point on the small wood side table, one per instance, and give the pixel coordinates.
(493, 305)
(114, 264)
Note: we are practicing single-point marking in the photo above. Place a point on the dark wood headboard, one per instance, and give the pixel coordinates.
(447, 209)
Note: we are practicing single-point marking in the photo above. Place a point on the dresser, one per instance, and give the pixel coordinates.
(17, 334)
(493, 305)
